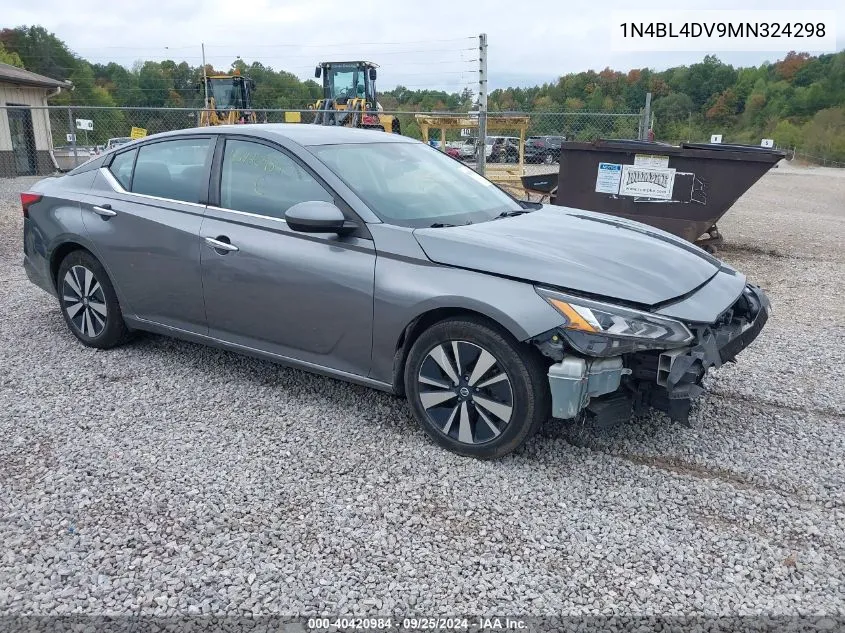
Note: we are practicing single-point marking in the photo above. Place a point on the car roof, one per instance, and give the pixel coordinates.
(301, 133)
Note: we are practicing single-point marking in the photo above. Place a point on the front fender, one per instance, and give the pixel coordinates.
(407, 290)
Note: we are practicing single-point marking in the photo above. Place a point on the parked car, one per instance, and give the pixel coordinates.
(488, 147)
(505, 149)
(454, 152)
(370, 258)
(468, 148)
(543, 149)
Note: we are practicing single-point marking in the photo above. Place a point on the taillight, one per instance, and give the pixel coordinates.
(539, 143)
(28, 199)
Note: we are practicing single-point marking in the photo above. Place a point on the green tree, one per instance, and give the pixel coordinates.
(13, 59)
(787, 134)
(40, 51)
(674, 107)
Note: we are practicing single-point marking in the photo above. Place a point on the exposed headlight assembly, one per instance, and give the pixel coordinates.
(602, 329)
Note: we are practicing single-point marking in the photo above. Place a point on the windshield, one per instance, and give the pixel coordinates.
(411, 184)
(226, 93)
(344, 83)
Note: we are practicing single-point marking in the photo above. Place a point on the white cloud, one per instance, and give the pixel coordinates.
(418, 44)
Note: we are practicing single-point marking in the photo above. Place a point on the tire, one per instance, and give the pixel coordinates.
(481, 414)
(89, 303)
(548, 159)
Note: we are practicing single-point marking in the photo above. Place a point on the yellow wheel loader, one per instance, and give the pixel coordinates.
(228, 100)
(349, 97)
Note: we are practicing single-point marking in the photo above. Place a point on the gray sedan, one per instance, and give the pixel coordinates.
(376, 259)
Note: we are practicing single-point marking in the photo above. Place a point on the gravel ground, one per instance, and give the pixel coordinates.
(164, 477)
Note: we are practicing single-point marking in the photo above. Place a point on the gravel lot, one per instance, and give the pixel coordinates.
(164, 477)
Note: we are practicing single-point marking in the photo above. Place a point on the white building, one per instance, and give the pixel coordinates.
(25, 137)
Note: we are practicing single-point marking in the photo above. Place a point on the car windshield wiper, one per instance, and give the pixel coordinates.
(442, 225)
(510, 214)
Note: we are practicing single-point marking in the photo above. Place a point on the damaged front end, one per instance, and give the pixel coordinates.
(612, 362)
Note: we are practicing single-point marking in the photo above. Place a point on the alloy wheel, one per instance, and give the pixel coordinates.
(84, 302)
(465, 392)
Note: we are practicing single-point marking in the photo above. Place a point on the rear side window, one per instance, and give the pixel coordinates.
(121, 168)
(262, 180)
(172, 169)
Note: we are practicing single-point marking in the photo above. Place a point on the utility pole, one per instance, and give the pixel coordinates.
(481, 141)
(204, 76)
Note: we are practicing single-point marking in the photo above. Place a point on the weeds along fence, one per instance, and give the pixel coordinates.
(28, 134)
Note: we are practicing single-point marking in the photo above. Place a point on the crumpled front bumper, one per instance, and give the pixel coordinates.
(678, 373)
(611, 389)
(728, 349)
(720, 342)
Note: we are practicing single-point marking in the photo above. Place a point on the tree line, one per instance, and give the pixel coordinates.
(798, 100)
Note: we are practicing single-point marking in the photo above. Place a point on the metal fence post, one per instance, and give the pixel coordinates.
(481, 141)
(70, 131)
(646, 122)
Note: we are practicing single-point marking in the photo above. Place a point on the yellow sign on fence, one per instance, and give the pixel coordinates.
(293, 117)
(138, 132)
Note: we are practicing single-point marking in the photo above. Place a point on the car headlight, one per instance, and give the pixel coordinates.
(602, 329)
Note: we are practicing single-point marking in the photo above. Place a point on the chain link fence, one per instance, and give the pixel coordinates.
(795, 153)
(39, 140)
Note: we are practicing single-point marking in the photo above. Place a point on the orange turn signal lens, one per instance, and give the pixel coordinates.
(576, 321)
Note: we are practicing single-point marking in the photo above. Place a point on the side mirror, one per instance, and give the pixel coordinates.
(373, 74)
(316, 216)
(317, 72)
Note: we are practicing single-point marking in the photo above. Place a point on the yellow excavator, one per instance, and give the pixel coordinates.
(349, 97)
(228, 100)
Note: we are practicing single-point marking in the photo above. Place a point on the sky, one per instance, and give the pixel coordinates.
(418, 44)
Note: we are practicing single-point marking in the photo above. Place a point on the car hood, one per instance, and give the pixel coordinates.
(576, 250)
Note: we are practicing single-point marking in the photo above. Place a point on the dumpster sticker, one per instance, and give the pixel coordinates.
(643, 182)
(651, 161)
(608, 177)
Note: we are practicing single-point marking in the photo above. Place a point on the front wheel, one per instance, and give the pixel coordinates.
(474, 389)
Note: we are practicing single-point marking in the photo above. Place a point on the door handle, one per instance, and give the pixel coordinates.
(104, 211)
(219, 245)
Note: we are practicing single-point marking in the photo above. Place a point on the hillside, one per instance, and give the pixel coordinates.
(799, 100)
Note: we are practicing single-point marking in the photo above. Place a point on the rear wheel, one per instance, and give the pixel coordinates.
(548, 159)
(474, 389)
(88, 301)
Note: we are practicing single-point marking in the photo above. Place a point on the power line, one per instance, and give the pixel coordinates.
(358, 54)
(333, 45)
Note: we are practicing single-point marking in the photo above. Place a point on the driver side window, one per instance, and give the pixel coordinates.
(265, 181)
